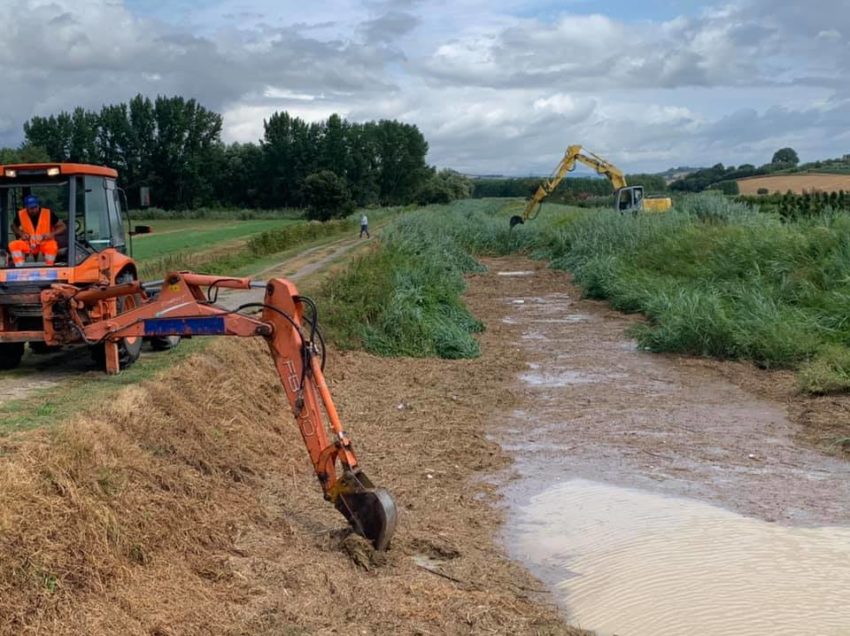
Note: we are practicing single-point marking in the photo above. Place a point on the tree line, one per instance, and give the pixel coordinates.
(571, 191)
(724, 178)
(173, 146)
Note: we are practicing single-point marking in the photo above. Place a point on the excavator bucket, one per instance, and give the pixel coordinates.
(516, 220)
(370, 511)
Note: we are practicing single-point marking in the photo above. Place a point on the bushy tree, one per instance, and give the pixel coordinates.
(327, 196)
(444, 187)
(785, 156)
(169, 144)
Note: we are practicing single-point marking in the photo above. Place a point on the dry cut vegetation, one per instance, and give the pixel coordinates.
(187, 505)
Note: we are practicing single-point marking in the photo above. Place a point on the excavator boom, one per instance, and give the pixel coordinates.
(566, 165)
(184, 307)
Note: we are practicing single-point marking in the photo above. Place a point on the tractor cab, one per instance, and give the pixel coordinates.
(84, 197)
(91, 250)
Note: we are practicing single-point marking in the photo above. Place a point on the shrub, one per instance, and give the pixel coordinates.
(327, 196)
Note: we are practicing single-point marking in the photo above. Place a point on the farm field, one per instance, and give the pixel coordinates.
(191, 235)
(796, 183)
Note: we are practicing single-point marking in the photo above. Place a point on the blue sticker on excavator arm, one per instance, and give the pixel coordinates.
(211, 326)
(32, 275)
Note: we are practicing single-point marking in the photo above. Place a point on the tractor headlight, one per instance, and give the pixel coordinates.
(53, 172)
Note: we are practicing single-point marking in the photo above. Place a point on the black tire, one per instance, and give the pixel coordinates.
(129, 349)
(41, 348)
(164, 343)
(10, 355)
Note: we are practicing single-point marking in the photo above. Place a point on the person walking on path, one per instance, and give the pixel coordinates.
(364, 226)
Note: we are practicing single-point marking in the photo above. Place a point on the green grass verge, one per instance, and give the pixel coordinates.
(47, 406)
(714, 278)
(231, 214)
(171, 237)
(403, 298)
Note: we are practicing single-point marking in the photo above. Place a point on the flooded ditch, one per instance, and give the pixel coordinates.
(659, 498)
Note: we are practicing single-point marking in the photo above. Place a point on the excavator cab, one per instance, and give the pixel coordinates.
(629, 199)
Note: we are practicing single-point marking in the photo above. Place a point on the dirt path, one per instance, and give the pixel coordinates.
(39, 372)
(307, 264)
(617, 453)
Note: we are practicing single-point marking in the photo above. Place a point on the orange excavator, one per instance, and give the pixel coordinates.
(90, 296)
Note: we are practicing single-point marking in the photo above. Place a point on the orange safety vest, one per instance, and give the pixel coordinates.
(42, 229)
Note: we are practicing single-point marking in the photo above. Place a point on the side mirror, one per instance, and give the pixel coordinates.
(144, 196)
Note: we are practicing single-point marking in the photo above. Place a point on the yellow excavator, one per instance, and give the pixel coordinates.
(626, 198)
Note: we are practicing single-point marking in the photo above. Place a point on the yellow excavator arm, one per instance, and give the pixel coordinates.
(567, 164)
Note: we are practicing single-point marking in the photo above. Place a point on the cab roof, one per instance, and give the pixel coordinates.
(34, 169)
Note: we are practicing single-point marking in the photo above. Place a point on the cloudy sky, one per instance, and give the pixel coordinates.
(496, 86)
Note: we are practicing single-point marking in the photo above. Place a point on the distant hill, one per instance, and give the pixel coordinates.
(728, 178)
(674, 174)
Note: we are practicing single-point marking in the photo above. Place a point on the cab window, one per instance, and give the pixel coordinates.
(113, 205)
(93, 209)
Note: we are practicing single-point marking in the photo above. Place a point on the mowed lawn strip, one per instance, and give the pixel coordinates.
(195, 235)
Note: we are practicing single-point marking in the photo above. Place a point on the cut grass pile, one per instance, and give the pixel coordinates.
(713, 277)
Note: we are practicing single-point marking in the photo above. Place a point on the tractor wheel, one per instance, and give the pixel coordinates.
(164, 343)
(129, 349)
(11, 354)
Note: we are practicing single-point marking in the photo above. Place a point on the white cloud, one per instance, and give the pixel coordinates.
(494, 88)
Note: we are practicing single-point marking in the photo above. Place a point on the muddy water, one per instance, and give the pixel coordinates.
(658, 498)
(626, 561)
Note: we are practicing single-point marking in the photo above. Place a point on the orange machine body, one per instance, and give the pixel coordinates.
(182, 308)
(20, 287)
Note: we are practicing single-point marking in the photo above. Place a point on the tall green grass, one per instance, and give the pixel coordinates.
(402, 298)
(713, 277)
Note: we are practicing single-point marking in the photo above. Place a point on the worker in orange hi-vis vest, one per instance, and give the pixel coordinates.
(36, 229)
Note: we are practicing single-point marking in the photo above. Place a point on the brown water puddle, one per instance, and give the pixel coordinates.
(609, 439)
(631, 562)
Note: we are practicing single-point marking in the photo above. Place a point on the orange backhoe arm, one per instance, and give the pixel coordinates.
(183, 308)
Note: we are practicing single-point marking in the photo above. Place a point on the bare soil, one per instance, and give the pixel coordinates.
(796, 183)
(187, 505)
